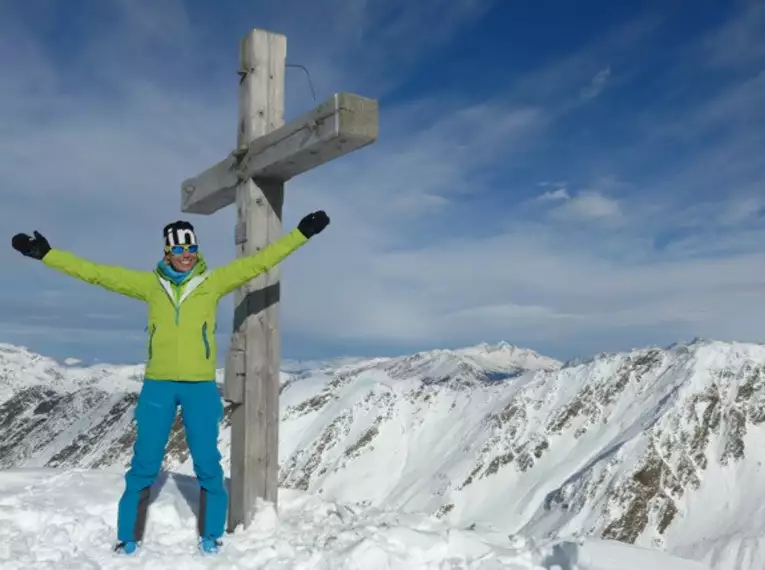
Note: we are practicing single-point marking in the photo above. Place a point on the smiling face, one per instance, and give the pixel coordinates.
(183, 262)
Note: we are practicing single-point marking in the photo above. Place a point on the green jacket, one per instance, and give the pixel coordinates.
(180, 344)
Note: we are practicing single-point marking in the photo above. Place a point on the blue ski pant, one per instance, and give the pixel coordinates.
(202, 411)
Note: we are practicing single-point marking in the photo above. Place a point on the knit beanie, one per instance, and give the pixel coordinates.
(179, 233)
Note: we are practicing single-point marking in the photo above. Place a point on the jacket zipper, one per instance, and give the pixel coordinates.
(151, 340)
(206, 341)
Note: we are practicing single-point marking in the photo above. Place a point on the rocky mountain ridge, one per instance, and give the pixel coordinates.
(629, 446)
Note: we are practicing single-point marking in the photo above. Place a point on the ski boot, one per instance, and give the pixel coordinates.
(126, 548)
(209, 546)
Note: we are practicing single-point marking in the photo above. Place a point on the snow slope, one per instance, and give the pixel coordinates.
(639, 447)
(63, 520)
(655, 447)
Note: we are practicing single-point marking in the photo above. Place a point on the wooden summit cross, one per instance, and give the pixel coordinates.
(268, 153)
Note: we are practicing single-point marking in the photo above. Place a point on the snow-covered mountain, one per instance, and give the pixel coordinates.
(656, 447)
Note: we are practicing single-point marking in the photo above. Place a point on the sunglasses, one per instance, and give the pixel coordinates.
(179, 249)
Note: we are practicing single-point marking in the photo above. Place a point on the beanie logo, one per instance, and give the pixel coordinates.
(180, 236)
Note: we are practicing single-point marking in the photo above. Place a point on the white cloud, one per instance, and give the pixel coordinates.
(586, 206)
(532, 284)
(409, 258)
(744, 209)
(597, 84)
(740, 40)
(555, 195)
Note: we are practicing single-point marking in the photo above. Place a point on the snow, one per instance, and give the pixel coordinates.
(21, 368)
(613, 445)
(64, 519)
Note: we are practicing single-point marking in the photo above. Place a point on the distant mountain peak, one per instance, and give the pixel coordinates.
(660, 447)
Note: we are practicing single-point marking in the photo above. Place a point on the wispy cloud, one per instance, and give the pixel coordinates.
(740, 40)
(441, 233)
(588, 206)
(597, 84)
(559, 193)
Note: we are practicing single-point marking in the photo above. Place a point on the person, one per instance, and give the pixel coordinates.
(182, 294)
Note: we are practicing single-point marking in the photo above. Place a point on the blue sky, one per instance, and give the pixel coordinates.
(569, 177)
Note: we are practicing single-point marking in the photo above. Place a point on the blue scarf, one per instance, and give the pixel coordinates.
(170, 272)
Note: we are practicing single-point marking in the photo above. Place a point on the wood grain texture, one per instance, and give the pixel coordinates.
(342, 124)
(255, 422)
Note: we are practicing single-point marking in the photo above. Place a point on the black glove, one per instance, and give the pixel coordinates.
(35, 248)
(313, 223)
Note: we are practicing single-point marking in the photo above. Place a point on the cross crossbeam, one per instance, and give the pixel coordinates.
(340, 125)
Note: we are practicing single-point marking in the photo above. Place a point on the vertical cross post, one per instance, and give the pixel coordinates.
(254, 422)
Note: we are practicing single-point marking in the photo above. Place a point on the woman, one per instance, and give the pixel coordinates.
(182, 297)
